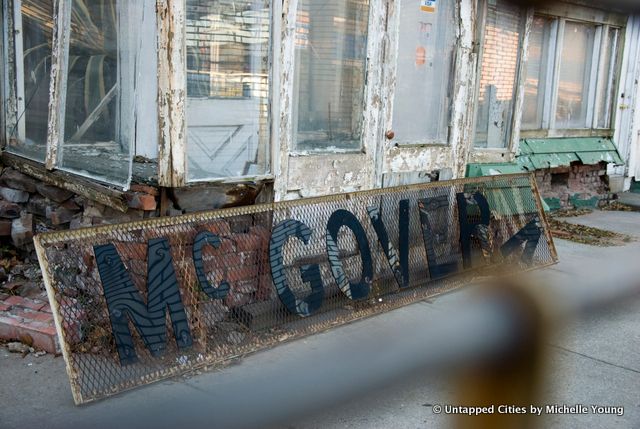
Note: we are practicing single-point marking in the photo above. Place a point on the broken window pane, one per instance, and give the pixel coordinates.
(574, 75)
(99, 107)
(537, 70)
(425, 72)
(228, 46)
(501, 44)
(330, 59)
(607, 78)
(29, 69)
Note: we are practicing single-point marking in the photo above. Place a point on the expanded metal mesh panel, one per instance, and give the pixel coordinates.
(143, 301)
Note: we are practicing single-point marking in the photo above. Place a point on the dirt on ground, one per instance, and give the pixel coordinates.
(582, 233)
(616, 206)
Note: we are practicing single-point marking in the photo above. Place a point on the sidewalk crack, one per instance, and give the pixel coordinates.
(596, 359)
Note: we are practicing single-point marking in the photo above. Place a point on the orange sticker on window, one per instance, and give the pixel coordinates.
(421, 56)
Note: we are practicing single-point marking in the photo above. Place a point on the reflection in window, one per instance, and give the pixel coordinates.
(574, 75)
(99, 106)
(498, 75)
(570, 66)
(536, 73)
(228, 45)
(27, 122)
(607, 77)
(330, 54)
(425, 72)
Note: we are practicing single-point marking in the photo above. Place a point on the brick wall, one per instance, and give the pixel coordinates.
(500, 50)
(576, 182)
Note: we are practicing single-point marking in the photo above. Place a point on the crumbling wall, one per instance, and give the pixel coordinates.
(577, 185)
(29, 206)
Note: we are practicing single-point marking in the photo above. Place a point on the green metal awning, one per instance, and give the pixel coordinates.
(493, 169)
(558, 152)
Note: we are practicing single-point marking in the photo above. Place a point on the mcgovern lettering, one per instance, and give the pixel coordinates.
(138, 302)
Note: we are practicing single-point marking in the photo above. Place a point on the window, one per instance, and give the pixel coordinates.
(570, 79)
(424, 73)
(28, 56)
(228, 49)
(500, 52)
(330, 63)
(102, 91)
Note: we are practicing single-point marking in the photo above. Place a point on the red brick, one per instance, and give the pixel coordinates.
(46, 308)
(145, 189)
(43, 335)
(60, 215)
(220, 227)
(37, 316)
(140, 201)
(248, 258)
(25, 303)
(4, 307)
(5, 228)
(236, 299)
(246, 286)
(249, 272)
(246, 242)
(266, 289)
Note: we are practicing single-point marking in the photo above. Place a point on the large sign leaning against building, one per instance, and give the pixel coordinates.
(138, 302)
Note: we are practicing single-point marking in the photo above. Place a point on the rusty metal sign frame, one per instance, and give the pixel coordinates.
(105, 347)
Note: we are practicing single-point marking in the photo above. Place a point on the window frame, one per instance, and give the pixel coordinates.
(512, 134)
(175, 173)
(603, 21)
(170, 107)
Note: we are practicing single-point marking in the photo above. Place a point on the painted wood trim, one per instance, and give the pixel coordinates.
(58, 85)
(172, 92)
(518, 103)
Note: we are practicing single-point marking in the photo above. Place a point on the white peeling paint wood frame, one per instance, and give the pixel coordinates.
(287, 61)
(3, 76)
(461, 136)
(9, 107)
(58, 85)
(400, 159)
(275, 88)
(333, 172)
(626, 103)
(518, 103)
(172, 92)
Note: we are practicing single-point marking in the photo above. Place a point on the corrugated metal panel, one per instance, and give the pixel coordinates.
(550, 153)
(552, 160)
(573, 144)
(596, 157)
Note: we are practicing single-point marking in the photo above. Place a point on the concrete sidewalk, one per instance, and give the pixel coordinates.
(595, 361)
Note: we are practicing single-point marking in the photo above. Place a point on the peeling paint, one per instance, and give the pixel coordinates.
(171, 92)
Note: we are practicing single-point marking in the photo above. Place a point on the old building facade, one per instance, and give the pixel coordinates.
(116, 110)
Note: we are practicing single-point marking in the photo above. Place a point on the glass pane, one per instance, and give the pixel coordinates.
(330, 54)
(574, 75)
(99, 108)
(606, 78)
(536, 73)
(27, 124)
(498, 74)
(425, 70)
(228, 88)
